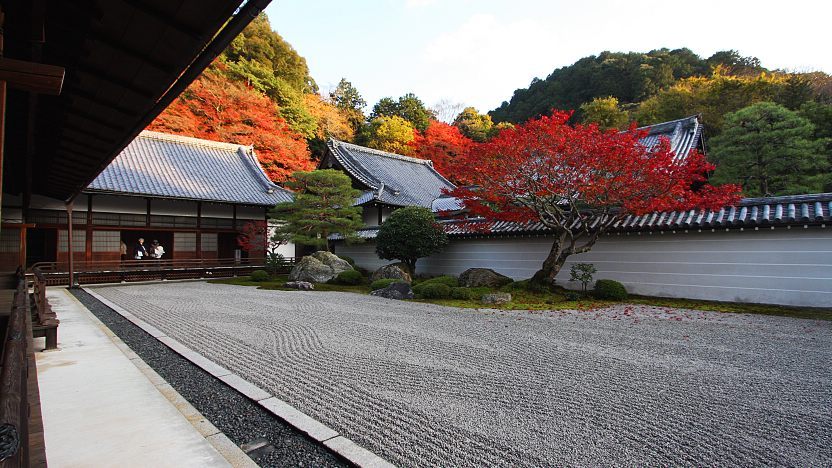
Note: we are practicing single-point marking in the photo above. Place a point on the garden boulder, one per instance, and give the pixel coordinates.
(392, 271)
(482, 277)
(302, 285)
(496, 298)
(395, 291)
(319, 267)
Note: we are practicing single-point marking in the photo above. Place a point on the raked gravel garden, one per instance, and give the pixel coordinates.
(422, 384)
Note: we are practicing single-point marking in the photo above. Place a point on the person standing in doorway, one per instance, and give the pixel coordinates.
(123, 251)
(140, 252)
(157, 250)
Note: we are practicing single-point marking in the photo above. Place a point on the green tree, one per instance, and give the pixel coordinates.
(769, 150)
(347, 99)
(409, 107)
(604, 112)
(734, 63)
(259, 43)
(821, 117)
(476, 126)
(392, 134)
(409, 234)
(323, 205)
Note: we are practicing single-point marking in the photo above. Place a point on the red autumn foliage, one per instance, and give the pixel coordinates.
(216, 108)
(579, 181)
(253, 237)
(441, 143)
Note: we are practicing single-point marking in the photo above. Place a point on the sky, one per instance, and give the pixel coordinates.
(477, 52)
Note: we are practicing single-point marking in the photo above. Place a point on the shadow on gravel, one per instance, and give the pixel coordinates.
(242, 420)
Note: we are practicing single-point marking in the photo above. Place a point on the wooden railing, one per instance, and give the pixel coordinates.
(14, 388)
(115, 271)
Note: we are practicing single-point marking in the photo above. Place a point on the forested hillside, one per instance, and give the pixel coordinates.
(775, 149)
(767, 130)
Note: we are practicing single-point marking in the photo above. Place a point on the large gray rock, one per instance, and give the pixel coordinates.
(496, 298)
(319, 267)
(392, 271)
(395, 291)
(302, 285)
(482, 277)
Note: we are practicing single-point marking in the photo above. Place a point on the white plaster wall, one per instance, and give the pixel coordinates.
(784, 266)
(251, 212)
(170, 207)
(216, 210)
(116, 204)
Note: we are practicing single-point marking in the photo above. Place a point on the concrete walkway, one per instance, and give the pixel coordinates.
(99, 409)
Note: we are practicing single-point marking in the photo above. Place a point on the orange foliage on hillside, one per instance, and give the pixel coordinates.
(216, 108)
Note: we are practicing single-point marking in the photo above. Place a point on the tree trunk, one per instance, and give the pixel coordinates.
(411, 265)
(553, 263)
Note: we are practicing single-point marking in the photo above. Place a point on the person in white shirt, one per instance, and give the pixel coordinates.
(156, 250)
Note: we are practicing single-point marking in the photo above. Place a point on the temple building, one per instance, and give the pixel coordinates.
(763, 250)
(194, 196)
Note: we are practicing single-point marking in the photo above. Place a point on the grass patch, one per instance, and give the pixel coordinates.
(528, 300)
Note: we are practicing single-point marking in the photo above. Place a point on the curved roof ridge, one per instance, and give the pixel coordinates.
(365, 149)
(253, 164)
(660, 125)
(190, 140)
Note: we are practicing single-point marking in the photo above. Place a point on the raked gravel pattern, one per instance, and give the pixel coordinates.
(423, 385)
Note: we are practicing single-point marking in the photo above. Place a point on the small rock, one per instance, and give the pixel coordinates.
(392, 271)
(302, 285)
(397, 291)
(496, 298)
(482, 277)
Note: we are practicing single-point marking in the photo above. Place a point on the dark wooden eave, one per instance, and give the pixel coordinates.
(125, 61)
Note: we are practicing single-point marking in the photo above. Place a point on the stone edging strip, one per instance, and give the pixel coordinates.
(222, 444)
(318, 431)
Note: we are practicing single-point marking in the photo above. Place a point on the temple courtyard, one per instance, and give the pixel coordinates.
(421, 384)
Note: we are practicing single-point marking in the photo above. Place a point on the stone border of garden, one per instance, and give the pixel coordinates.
(320, 433)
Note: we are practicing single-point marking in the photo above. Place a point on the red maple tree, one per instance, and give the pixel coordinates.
(441, 143)
(578, 181)
(253, 237)
(216, 108)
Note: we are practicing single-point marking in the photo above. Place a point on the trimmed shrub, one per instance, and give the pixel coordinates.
(259, 275)
(383, 283)
(349, 277)
(448, 280)
(461, 293)
(434, 291)
(573, 296)
(348, 260)
(610, 289)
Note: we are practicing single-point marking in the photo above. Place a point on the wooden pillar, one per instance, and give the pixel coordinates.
(2, 113)
(147, 214)
(70, 250)
(199, 230)
(88, 249)
(22, 246)
(234, 217)
(379, 215)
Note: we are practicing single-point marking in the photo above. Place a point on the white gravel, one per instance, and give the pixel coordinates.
(426, 385)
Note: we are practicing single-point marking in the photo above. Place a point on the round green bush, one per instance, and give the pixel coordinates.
(259, 275)
(573, 296)
(447, 280)
(350, 277)
(610, 289)
(384, 282)
(434, 291)
(348, 260)
(461, 293)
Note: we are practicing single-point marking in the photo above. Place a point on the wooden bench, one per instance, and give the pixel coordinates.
(44, 321)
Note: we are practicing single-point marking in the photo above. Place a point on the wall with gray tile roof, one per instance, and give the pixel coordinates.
(388, 178)
(171, 166)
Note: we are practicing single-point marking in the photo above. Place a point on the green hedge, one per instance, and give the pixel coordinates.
(352, 277)
(259, 275)
(610, 289)
(384, 282)
(461, 293)
(348, 260)
(447, 280)
(433, 291)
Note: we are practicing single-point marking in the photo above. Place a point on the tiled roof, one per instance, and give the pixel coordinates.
(170, 166)
(390, 178)
(684, 135)
(790, 210)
